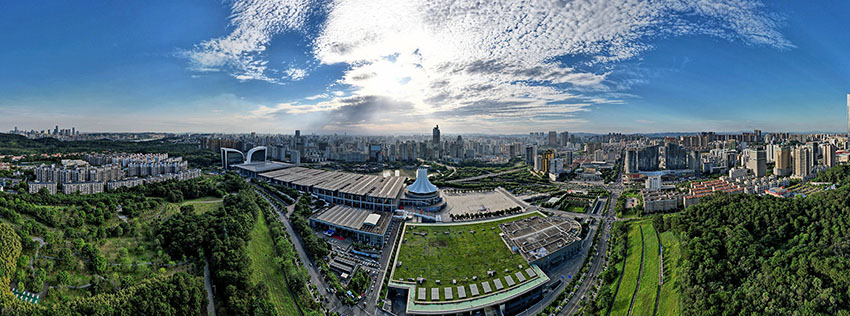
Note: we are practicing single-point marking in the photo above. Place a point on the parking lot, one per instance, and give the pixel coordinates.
(476, 202)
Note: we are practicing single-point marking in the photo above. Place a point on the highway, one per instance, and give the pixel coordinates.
(601, 255)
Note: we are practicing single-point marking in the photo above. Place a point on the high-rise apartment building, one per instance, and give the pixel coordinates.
(631, 163)
(783, 161)
(545, 158)
(648, 158)
(828, 152)
(530, 152)
(802, 165)
(675, 157)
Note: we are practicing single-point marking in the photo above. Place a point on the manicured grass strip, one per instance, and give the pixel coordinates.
(669, 300)
(630, 275)
(266, 269)
(645, 300)
(577, 209)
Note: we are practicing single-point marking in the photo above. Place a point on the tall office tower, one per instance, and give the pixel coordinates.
(848, 114)
(435, 135)
(56, 130)
(828, 151)
(801, 162)
(758, 163)
(783, 161)
(553, 138)
(564, 138)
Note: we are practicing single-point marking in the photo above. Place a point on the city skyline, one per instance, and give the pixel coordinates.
(317, 67)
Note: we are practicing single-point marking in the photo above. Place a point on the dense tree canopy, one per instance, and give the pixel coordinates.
(19, 145)
(751, 255)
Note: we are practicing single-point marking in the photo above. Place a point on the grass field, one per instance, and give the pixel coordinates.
(452, 252)
(669, 300)
(127, 250)
(630, 275)
(266, 269)
(645, 300)
(577, 209)
(204, 204)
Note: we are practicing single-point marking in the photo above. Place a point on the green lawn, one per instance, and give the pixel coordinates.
(645, 300)
(669, 301)
(266, 269)
(458, 255)
(576, 209)
(630, 275)
(204, 204)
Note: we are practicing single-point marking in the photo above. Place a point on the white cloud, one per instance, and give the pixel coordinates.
(255, 23)
(318, 96)
(296, 73)
(492, 60)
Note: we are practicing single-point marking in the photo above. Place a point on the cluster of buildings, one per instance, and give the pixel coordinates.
(361, 205)
(56, 132)
(300, 148)
(109, 171)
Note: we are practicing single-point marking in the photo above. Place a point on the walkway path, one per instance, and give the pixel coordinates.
(208, 286)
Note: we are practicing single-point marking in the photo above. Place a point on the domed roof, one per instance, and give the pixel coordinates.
(422, 185)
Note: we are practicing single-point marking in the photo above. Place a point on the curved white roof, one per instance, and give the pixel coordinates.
(422, 185)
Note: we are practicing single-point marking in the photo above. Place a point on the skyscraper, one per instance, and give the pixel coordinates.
(848, 114)
(553, 138)
(435, 137)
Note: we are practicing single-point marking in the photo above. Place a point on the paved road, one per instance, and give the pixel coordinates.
(315, 277)
(567, 268)
(373, 295)
(601, 256)
(485, 175)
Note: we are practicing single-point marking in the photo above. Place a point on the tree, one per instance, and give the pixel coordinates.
(10, 249)
(63, 277)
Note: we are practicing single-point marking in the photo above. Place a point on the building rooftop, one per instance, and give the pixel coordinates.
(344, 182)
(422, 185)
(536, 237)
(353, 218)
(262, 166)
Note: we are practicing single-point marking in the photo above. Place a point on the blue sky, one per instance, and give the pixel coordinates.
(379, 67)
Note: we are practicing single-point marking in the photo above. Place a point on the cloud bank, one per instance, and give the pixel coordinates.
(495, 63)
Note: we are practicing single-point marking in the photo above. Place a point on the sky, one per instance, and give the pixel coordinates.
(402, 66)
